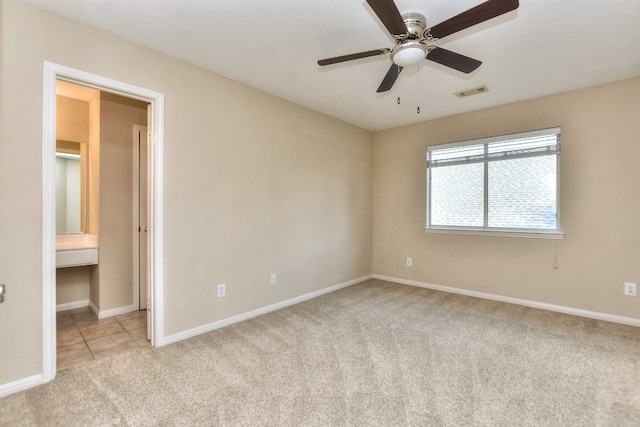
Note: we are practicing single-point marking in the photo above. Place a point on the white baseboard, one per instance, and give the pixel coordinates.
(111, 312)
(20, 385)
(93, 307)
(527, 303)
(71, 305)
(259, 312)
(114, 311)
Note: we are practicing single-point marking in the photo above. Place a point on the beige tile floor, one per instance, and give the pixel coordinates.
(81, 336)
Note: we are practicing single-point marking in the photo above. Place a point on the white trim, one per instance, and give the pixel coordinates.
(260, 311)
(518, 301)
(68, 156)
(71, 305)
(155, 212)
(51, 73)
(115, 311)
(557, 235)
(48, 222)
(20, 385)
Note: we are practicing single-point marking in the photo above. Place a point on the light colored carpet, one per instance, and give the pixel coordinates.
(372, 354)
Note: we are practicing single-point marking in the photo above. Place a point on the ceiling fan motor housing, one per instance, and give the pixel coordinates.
(411, 47)
(416, 25)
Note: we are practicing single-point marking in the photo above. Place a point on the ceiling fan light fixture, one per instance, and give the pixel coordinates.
(413, 38)
(409, 53)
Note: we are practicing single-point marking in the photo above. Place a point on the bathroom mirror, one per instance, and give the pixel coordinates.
(71, 187)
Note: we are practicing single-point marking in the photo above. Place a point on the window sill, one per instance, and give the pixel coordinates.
(557, 235)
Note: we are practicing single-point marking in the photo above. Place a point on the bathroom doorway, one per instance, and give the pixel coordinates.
(52, 74)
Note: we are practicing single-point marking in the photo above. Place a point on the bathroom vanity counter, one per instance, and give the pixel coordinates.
(74, 250)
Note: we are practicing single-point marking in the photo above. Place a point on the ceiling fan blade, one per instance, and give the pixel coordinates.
(388, 13)
(453, 60)
(352, 56)
(390, 78)
(475, 15)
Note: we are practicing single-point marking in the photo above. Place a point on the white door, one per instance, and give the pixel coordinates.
(143, 222)
(143, 292)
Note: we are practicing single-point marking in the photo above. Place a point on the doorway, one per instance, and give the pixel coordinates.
(53, 73)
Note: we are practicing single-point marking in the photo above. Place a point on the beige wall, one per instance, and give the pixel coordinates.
(116, 203)
(259, 186)
(72, 284)
(256, 185)
(72, 119)
(599, 205)
(253, 185)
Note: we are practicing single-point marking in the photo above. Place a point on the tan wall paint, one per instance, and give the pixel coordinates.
(599, 205)
(253, 184)
(72, 284)
(116, 204)
(72, 119)
(268, 187)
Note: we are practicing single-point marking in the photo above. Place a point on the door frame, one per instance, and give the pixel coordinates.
(51, 74)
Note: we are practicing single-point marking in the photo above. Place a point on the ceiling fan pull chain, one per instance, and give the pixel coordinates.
(418, 89)
(398, 86)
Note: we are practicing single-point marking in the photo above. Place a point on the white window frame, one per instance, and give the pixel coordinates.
(494, 231)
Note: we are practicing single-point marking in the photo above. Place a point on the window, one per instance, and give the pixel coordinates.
(503, 185)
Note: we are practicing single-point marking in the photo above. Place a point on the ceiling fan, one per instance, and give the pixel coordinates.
(413, 39)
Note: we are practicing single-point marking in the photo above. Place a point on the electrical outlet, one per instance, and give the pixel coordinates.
(630, 289)
(409, 262)
(273, 278)
(221, 290)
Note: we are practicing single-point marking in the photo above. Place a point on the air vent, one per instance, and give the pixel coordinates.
(474, 91)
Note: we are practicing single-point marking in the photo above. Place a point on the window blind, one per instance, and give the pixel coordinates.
(507, 183)
(527, 144)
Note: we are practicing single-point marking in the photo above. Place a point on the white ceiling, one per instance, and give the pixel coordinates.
(544, 47)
